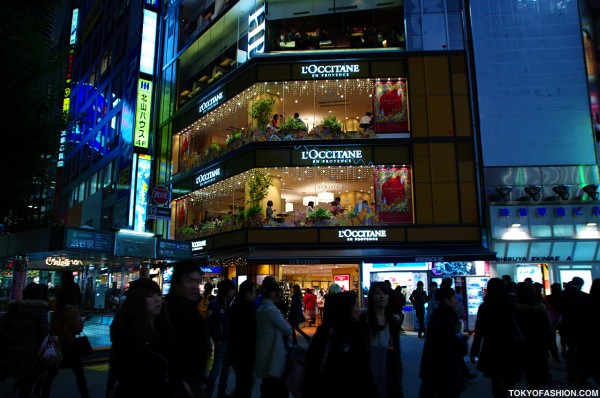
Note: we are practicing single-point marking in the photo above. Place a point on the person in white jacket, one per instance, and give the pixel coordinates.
(272, 331)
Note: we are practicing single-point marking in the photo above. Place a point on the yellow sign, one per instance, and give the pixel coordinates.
(141, 133)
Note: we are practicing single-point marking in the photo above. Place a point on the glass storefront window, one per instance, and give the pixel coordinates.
(320, 104)
(368, 195)
(221, 35)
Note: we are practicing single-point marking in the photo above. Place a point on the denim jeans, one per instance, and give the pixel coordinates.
(220, 365)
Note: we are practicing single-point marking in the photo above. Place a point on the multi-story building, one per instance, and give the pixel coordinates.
(408, 183)
(535, 68)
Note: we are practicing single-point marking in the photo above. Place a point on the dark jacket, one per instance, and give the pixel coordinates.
(295, 315)
(494, 342)
(66, 324)
(218, 319)
(535, 326)
(443, 353)
(242, 340)
(418, 299)
(22, 331)
(193, 342)
(339, 368)
(145, 368)
(572, 301)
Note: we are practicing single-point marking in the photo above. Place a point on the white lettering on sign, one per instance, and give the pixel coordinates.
(256, 32)
(208, 177)
(429, 259)
(296, 261)
(211, 103)
(198, 245)
(356, 235)
(62, 262)
(329, 70)
(328, 156)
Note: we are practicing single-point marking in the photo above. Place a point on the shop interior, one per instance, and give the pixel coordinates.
(346, 99)
(291, 190)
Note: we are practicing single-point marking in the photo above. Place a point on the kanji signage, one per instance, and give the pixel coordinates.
(142, 115)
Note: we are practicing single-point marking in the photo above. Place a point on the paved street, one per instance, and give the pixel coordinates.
(64, 385)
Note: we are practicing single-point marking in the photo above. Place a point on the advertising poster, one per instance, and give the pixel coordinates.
(391, 107)
(393, 192)
(343, 281)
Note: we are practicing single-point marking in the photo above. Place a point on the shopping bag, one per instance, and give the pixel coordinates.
(48, 354)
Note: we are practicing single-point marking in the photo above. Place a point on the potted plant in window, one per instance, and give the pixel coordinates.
(234, 140)
(258, 188)
(319, 216)
(261, 111)
(292, 129)
(212, 152)
(329, 129)
(188, 232)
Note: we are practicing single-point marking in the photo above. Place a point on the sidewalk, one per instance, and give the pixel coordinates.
(96, 373)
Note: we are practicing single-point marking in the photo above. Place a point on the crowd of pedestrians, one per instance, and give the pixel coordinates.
(184, 345)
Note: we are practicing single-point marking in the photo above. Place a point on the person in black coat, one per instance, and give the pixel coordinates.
(144, 346)
(441, 363)
(495, 342)
(22, 330)
(296, 316)
(242, 339)
(193, 348)
(337, 360)
(535, 326)
(218, 325)
(572, 302)
(588, 330)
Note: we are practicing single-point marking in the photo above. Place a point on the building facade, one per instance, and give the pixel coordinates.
(535, 70)
(408, 182)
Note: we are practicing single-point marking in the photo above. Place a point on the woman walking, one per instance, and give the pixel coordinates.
(384, 333)
(66, 324)
(295, 316)
(496, 341)
(339, 352)
(144, 345)
(272, 331)
(442, 360)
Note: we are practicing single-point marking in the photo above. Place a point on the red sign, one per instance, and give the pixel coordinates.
(394, 195)
(343, 281)
(161, 195)
(391, 107)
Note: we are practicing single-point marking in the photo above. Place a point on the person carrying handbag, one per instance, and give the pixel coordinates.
(66, 324)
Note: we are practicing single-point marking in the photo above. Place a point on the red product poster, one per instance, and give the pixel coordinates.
(343, 281)
(391, 107)
(393, 198)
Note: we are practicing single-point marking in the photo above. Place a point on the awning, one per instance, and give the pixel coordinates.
(370, 255)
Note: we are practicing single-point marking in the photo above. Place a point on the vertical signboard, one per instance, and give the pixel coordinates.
(394, 195)
(391, 106)
(148, 42)
(256, 32)
(142, 114)
(19, 277)
(127, 123)
(140, 192)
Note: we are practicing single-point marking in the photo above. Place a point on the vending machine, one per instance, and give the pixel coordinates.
(475, 291)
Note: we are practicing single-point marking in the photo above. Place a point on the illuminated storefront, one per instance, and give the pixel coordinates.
(548, 242)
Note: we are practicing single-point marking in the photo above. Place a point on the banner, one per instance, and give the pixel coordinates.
(391, 107)
(393, 195)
